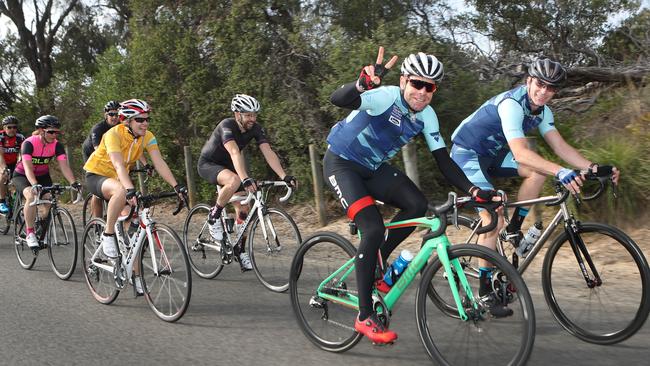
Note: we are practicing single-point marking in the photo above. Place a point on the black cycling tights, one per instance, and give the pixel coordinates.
(412, 204)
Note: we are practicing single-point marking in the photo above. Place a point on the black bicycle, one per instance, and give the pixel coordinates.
(13, 201)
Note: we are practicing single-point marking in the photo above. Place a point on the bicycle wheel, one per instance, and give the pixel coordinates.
(204, 258)
(450, 340)
(86, 213)
(611, 311)
(62, 244)
(101, 282)
(167, 286)
(327, 324)
(272, 246)
(26, 257)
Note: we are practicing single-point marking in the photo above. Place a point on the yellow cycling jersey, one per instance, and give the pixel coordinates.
(119, 139)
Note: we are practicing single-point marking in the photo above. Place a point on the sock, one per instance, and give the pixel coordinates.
(517, 219)
(2, 200)
(485, 277)
(29, 230)
(215, 212)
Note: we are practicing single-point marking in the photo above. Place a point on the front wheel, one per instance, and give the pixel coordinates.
(166, 274)
(100, 280)
(62, 243)
(272, 244)
(451, 341)
(203, 251)
(26, 257)
(612, 306)
(327, 324)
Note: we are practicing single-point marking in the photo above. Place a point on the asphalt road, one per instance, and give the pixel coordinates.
(231, 320)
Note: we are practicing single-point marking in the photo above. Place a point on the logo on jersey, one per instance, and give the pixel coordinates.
(41, 160)
(337, 189)
(435, 135)
(395, 116)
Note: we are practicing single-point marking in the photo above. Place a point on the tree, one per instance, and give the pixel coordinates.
(37, 42)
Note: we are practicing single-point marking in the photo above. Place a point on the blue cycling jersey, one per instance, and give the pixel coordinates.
(376, 131)
(502, 118)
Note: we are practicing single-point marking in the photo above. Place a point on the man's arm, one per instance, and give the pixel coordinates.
(272, 159)
(565, 151)
(525, 156)
(237, 159)
(3, 164)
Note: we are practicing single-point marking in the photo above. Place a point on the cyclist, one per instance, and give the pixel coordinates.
(221, 163)
(10, 141)
(32, 171)
(491, 143)
(384, 119)
(93, 140)
(107, 169)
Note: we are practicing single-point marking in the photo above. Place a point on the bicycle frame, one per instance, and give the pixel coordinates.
(49, 227)
(440, 244)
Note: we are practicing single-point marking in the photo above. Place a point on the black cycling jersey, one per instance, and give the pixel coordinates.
(94, 138)
(214, 150)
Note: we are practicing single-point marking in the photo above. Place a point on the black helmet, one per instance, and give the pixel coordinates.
(548, 71)
(47, 121)
(10, 120)
(112, 105)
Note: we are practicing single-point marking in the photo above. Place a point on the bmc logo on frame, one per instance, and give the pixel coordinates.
(337, 189)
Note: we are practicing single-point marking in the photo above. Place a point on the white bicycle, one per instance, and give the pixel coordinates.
(163, 268)
(273, 238)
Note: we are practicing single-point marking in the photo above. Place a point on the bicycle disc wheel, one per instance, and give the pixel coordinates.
(483, 337)
(327, 324)
(167, 286)
(26, 257)
(62, 244)
(204, 258)
(101, 282)
(606, 313)
(272, 246)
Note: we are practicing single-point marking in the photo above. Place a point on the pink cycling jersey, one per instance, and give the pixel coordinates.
(40, 154)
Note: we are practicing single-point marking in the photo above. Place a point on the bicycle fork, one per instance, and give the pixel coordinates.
(451, 278)
(579, 250)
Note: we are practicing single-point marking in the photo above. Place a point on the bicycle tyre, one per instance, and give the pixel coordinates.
(86, 213)
(626, 272)
(62, 246)
(205, 261)
(271, 258)
(168, 291)
(487, 337)
(26, 257)
(303, 284)
(100, 282)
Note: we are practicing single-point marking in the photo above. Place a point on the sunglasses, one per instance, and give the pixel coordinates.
(112, 114)
(542, 85)
(419, 84)
(11, 127)
(52, 132)
(141, 119)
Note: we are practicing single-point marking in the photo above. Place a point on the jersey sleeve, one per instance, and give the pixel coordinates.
(431, 130)
(27, 149)
(150, 142)
(59, 151)
(112, 141)
(226, 132)
(512, 119)
(377, 101)
(548, 122)
(260, 135)
(95, 136)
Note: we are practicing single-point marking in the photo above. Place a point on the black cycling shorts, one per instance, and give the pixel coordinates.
(356, 186)
(21, 182)
(94, 184)
(209, 170)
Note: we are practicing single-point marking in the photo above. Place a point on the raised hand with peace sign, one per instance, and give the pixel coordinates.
(371, 75)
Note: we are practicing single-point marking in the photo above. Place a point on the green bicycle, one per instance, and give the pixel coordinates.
(324, 297)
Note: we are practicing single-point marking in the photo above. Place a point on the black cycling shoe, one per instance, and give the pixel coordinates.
(496, 307)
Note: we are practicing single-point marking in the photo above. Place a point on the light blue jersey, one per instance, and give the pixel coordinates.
(502, 118)
(376, 131)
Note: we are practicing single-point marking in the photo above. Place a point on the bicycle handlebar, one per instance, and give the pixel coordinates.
(55, 189)
(278, 183)
(453, 203)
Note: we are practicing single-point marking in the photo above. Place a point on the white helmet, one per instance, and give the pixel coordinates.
(423, 65)
(133, 108)
(244, 103)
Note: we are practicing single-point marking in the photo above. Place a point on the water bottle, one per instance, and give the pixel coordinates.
(529, 239)
(397, 267)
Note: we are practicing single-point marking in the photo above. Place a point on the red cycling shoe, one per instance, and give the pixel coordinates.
(375, 330)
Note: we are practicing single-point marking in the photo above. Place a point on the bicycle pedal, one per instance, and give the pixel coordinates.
(383, 344)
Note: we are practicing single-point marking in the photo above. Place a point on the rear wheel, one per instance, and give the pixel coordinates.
(62, 243)
(203, 251)
(272, 245)
(450, 340)
(327, 324)
(166, 275)
(100, 281)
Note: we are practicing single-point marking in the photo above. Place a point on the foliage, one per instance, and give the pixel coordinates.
(630, 41)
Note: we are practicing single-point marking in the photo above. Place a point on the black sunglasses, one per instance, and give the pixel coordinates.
(52, 132)
(419, 84)
(141, 119)
(11, 127)
(542, 85)
(111, 114)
